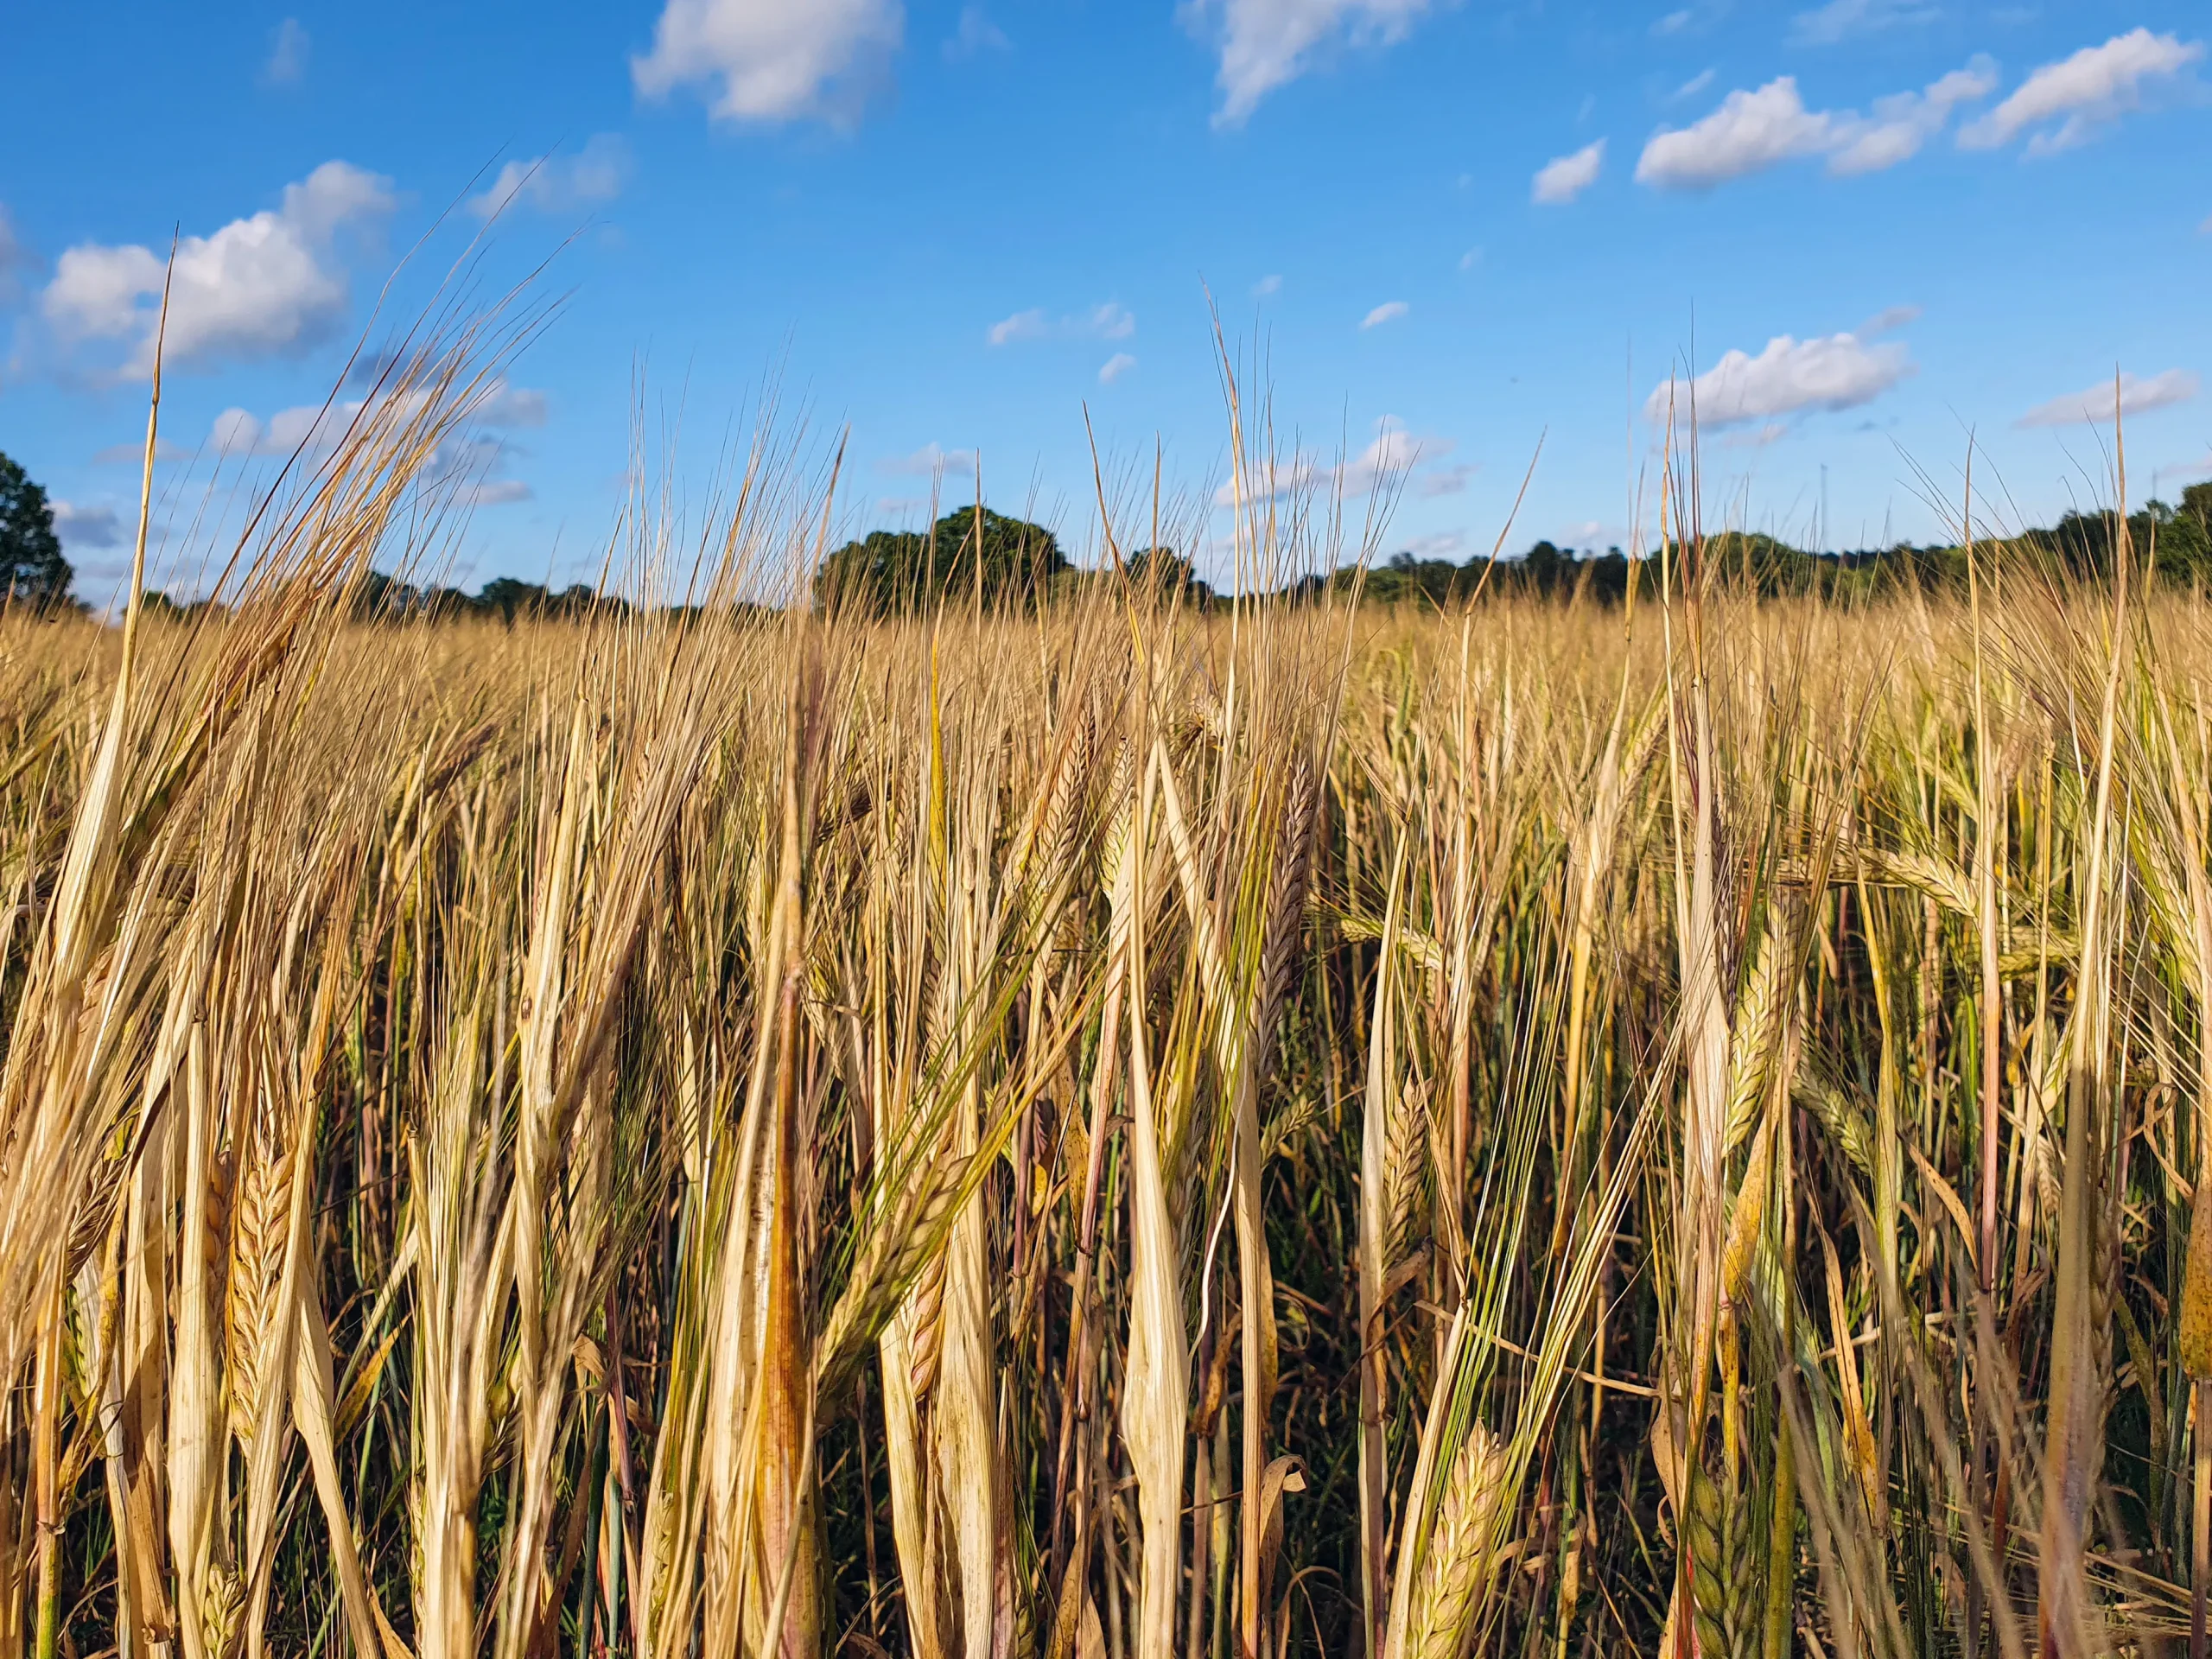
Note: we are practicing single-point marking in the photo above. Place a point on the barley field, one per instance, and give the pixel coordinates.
(1117, 1131)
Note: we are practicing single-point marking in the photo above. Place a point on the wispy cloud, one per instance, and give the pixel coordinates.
(287, 62)
(975, 35)
(1022, 325)
(1272, 283)
(1395, 455)
(559, 184)
(931, 460)
(1109, 319)
(1389, 311)
(1564, 178)
(1114, 367)
(1265, 44)
(2065, 104)
(1840, 20)
(2133, 396)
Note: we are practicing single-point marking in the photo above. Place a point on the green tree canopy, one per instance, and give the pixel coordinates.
(32, 571)
(892, 572)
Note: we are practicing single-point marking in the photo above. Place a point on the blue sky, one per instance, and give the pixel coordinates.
(1443, 231)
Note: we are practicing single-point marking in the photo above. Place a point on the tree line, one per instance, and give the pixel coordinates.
(996, 561)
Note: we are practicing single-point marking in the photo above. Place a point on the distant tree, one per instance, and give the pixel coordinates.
(894, 572)
(32, 571)
(1168, 570)
(506, 598)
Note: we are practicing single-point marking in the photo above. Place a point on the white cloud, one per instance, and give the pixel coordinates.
(1112, 321)
(1114, 367)
(1022, 325)
(1753, 131)
(1564, 178)
(1749, 131)
(976, 36)
(82, 527)
(1391, 456)
(1108, 320)
(1265, 44)
(776, 59)
(1470, 259)
(2097, 85)
(1389, 311)
(315, 429)
(1839, 19)
(932, 461)
(1272, 283)
(2136, 397)
(287, 64)
(1905, 121)
(559, 184)
(1841, 371)
(265, 285)
(1696, 84)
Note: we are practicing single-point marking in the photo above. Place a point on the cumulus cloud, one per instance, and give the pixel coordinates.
(287, 63)
(775, 59)
(1753, 131)
(2136, 397)
(1790, 375)
(1114, 367)
(2066, 102)
(976, 36)
(932, 461)
(1839, 19)
(1265, 44)
(1389, 311)
(559, 184)
(1749, 131)
(1108, 320)
(1566, 177)
(87, 527)
(266, 285)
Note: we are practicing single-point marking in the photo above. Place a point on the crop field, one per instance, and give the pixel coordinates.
(1107, 1130)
